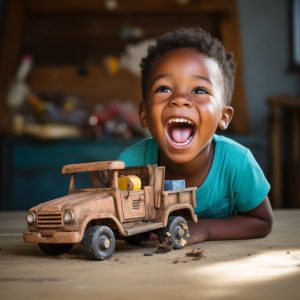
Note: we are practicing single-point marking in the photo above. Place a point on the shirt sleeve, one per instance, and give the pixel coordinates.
(252, 186)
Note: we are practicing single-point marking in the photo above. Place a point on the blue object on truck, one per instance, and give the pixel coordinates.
(170, 185)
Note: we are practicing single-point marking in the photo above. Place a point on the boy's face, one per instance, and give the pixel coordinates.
(185, 104)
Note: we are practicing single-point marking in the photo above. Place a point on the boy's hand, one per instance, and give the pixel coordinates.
(256, 223)
(197, 233)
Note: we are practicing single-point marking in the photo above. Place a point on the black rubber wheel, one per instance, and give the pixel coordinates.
(98, 243)
(55, 249)
(137, 239)
(178, 229)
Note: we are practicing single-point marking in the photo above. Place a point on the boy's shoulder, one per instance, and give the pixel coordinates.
(229, 145)
(143, 152)
(231, 154)
(141, 145)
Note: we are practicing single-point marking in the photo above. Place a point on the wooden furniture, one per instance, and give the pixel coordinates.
(285, 148)
(265, 268)
(69, 39)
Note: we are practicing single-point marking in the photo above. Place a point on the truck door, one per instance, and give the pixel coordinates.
(133, 204)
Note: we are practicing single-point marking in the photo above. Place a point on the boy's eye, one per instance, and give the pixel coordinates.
(163, 89)
(199, 90)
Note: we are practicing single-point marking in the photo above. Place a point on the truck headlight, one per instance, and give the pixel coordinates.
(31, 218)
(69, 216)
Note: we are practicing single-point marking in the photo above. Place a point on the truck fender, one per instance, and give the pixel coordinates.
(96, 217)
(179, 207)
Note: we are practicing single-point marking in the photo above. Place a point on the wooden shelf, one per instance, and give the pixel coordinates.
(91, 88)
(64, 35)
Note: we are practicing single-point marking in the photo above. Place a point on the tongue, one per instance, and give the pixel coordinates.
(181, 135)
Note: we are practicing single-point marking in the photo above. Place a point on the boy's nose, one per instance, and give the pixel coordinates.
(180, 101)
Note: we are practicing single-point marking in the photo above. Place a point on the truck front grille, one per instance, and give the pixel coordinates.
(49, 220)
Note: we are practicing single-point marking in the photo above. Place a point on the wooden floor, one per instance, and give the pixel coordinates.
(252, 269)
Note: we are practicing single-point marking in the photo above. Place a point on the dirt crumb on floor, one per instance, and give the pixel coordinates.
(67, 256)
(163, 249)
(179, 260)
(176, 261)
(166, 245)
(196, 254)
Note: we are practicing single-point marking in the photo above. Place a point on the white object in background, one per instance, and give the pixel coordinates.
(131, 59)
(19, 90)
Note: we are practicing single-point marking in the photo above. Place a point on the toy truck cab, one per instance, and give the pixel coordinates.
(125, 202)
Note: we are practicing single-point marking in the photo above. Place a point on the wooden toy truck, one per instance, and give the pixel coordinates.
(122, 202)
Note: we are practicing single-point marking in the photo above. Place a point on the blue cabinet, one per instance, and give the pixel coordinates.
(31, 169)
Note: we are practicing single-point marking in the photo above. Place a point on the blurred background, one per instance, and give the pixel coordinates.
(69, 85)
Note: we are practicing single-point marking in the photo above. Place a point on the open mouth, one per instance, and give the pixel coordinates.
(180, 131)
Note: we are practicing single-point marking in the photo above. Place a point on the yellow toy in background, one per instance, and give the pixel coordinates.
(112, 64)
(129, 182)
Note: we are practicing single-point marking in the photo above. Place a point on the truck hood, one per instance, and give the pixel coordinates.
(71, 201)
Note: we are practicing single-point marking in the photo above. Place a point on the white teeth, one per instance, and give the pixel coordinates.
(179, 120)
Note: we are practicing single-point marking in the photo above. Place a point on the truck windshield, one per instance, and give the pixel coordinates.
(96, 179)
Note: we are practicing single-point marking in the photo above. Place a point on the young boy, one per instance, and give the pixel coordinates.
(187, 84)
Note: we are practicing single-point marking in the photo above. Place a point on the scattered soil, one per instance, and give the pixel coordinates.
(163, 249)
(196, 254)
(67, 256)
(166, 245)
(176, 261)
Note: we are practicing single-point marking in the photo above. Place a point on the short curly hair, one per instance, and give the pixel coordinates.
(198, 39)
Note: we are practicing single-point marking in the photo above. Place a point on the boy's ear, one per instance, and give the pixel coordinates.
(227, 115)
(143, 118)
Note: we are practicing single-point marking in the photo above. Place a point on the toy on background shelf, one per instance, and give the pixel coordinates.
(112, 64)
(130, 60)
(49, 116)
(19, 89)
(34, 110)
(131, 33)
(116, 119)
(54, 110)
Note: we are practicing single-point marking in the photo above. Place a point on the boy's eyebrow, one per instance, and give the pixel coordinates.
(203, 78)
(168, 75)
(159, 77)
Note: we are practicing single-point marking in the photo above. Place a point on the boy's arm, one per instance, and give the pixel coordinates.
(255, 223)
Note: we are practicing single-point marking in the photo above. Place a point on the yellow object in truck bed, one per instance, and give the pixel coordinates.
(129, 182)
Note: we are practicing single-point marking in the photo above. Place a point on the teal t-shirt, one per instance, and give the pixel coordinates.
(235, 182)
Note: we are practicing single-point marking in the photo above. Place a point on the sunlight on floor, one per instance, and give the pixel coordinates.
(260, 268)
